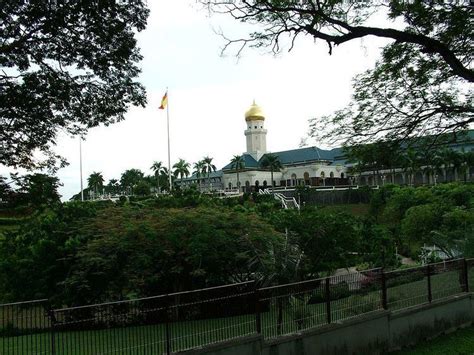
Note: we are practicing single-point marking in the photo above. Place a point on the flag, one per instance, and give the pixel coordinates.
(164, 101)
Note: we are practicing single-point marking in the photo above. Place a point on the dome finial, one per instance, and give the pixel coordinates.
(254, 113)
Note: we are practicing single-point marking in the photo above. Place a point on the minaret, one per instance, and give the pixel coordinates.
(256, 133)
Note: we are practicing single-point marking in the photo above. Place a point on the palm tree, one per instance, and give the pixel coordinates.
(456, 160)
(198, 168)
(95, 181)
(469, 163)
(157, 168)
(130, 178)
(164, 179)
(238, 164)
(113, 185)
(272, 162)
(181, 169)
(411, 163)
(208, 167)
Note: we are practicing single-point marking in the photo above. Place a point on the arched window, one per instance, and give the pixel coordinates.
(306, 178)
(247, 184)
(264, 183)
(293, 179)
(230, 186)
(342, 175)
(322, 175)
(331, 174)
(257, 183)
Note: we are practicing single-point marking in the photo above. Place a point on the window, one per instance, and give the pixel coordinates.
(331, 174)
(255, 127)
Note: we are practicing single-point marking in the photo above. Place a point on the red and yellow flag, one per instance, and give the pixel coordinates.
(164, 101)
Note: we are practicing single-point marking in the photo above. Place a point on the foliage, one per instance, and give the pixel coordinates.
(130, 178)
(66, 66)
(422, 83)
(271, 162)
(237, 164)
(37, 189)
(79, 253)
(441, 215)
(142, 188)
(181, 169)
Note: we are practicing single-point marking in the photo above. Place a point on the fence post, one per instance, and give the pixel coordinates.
(258, 319)
(428, 274)
(465, 271)
(384, 290)
(167, 324)
(52, 320)
(328, 300)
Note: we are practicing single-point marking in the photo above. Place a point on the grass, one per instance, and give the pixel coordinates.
(289, 315)
(459, 342)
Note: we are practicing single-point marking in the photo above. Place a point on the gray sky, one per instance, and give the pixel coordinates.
(209, 94)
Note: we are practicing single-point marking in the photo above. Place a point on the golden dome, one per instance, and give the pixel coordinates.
(254, 113)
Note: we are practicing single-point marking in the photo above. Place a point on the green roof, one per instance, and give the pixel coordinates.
(296, 156)
(308, 155)
(249, 162)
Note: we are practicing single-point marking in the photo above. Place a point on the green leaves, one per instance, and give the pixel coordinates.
(69, 66)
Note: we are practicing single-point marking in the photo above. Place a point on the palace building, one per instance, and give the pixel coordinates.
(311, 166)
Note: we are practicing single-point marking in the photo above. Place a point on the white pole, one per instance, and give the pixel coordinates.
(80, 166)
(168, 126)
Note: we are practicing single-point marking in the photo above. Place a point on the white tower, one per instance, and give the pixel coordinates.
(256, 133)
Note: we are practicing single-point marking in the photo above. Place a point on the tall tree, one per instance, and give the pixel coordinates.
(238, 163)
(37, 189)
(272, 162)
(422, 83)
(207, 168)
(181, 169)
(130, 179)
(113, 186)
(65, 66)
(95, 181)
(5, 189)
(157, 168)
(411, 163)
(198, 170)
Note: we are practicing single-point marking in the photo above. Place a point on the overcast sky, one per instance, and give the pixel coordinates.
(209, 94)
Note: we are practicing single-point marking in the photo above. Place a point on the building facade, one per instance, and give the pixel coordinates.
(312, 166)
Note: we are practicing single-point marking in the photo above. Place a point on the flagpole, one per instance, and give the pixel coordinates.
(168, 126)
(80, 166)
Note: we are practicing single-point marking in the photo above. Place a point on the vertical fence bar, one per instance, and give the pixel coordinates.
(258, 316)
(428, 275)
(167, 325)
(328, 301)
(465, 275)
(52, 322)
(384, 290)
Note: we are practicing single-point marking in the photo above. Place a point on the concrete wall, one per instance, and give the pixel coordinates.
(373, 333)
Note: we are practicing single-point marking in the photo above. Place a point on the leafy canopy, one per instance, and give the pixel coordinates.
(64, 66)
(421, 84)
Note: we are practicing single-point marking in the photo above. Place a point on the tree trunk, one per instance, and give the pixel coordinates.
(271, 182)
(238, 181)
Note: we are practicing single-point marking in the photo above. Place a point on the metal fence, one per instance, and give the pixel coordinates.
(175, 322)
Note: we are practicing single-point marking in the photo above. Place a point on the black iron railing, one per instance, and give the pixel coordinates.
(175, 322)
